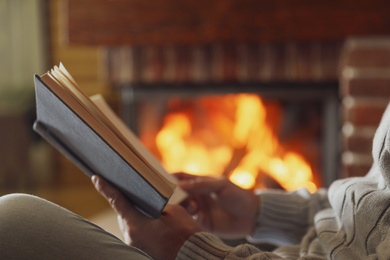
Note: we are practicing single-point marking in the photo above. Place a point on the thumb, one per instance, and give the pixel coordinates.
(116, 199)
(203, 185)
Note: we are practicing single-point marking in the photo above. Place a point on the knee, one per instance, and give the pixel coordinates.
(26, 226)
(12, 197)
(17, 201)
(24, 216)
(17, 208)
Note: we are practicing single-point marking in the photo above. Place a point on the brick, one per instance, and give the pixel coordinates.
(366, 52)
(369, 57)
(367, 87)
(358, 144)
(365, 90)
(364, 114)
(354, 170)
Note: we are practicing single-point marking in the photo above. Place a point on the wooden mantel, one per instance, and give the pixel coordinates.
(156, 22)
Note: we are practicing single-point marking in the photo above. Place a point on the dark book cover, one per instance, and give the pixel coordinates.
(66, 130)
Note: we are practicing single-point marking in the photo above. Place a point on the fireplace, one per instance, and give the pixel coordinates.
(157, 49)
(296, 83)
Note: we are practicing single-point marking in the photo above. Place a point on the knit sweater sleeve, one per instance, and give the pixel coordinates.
(284, 217)
(204, 245)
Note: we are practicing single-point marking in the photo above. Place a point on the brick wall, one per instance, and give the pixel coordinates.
(283, 62)
(365, 93)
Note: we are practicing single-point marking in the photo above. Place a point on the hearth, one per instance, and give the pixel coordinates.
(296, 83)
(302, 120)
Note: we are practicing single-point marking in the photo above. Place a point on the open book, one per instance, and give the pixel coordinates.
(94, 138)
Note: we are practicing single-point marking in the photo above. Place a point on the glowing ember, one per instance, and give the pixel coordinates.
(231, 135)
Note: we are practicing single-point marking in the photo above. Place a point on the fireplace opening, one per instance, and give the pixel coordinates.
(270, 136)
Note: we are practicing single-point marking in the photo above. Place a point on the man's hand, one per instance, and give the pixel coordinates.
(161, 238)
(220, 206)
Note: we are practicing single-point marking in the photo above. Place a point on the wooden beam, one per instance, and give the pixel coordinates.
(140, 22)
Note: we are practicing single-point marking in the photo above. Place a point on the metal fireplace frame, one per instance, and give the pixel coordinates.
(324, 92)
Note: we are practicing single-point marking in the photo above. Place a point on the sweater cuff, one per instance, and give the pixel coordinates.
(203, 245)
(285, 216)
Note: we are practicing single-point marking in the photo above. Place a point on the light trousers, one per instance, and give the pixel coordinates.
(34, 228)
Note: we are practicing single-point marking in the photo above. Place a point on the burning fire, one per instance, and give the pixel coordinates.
(230, 136)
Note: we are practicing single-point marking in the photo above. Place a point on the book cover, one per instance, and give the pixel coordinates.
(61, 123)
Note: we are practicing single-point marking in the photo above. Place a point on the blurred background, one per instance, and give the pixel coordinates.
(319, 69)
(30, 43)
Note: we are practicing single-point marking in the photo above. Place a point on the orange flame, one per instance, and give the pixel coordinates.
(230, 136)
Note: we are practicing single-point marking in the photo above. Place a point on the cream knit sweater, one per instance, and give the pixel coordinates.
(350, 221)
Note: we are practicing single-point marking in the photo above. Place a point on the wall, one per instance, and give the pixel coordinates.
(365, 93)
(22, 45)
(86, 64)
(21, 42)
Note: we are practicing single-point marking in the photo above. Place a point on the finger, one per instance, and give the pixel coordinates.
(112, 195)
(190, 205)
(204, 215)
(116, 199)
(184, 176)
(203, 185)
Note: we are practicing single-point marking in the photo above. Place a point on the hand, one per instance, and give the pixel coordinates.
(161, 238)
(220, 206)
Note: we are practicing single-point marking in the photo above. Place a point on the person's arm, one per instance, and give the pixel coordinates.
(284, 217)
(267, 216)
(175, 235)
(204, 245)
